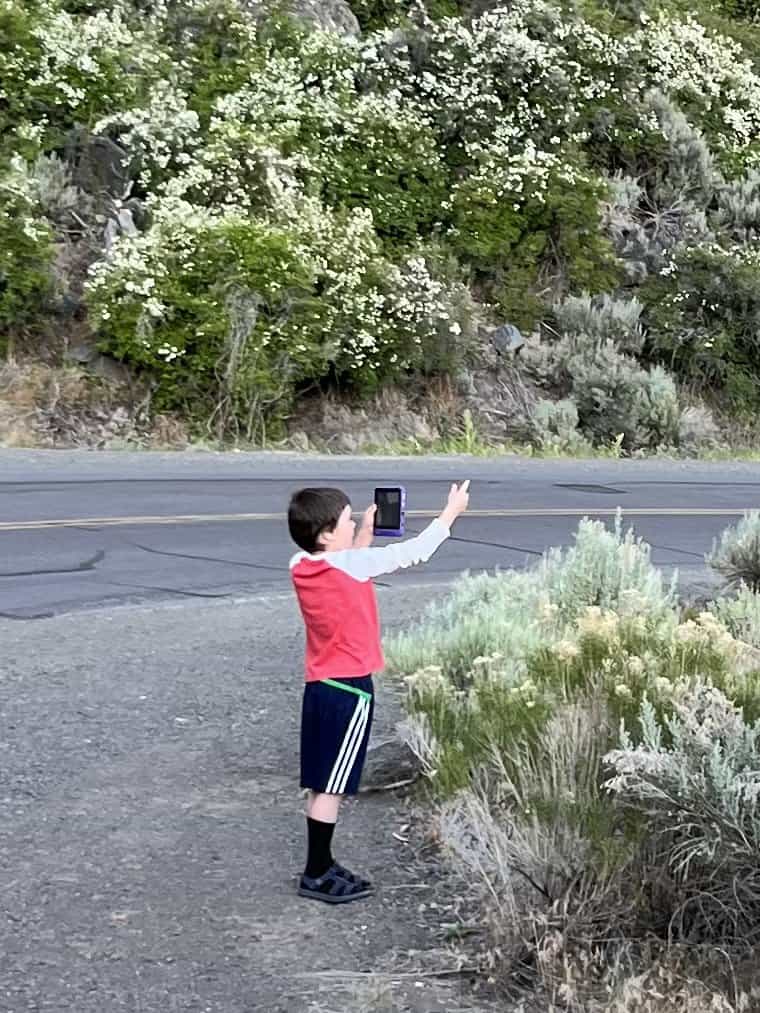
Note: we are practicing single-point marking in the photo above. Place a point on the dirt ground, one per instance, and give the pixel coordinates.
(152, 830)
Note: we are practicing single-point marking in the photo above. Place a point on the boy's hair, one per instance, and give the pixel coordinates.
(313, 511)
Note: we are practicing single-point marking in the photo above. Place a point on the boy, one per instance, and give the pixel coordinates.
(332, 576)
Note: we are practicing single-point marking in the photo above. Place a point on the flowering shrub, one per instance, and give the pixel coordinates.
(741, 615)
(703, 311)
(160, 137)
(544, 152)
(693, 779)
(520, 67)
(19, 56)
(603, 568)
(595, 752)
(736, 555)
(591, 621)
(709, 73)
(508, 214)
(25, 250)
(161, 303)
(87, 64)
(216, 44)
(321, 296)
(380, 154)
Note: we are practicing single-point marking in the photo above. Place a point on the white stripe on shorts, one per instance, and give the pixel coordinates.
(350, 759)
(345, 746)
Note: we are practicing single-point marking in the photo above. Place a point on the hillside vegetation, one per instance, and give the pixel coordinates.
(243, 207)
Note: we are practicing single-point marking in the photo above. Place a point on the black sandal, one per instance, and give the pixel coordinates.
(334, 886)
(344, 873)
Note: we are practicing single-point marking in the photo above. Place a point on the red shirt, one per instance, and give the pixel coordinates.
(339, 607)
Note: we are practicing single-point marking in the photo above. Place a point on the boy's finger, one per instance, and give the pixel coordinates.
(465, 486)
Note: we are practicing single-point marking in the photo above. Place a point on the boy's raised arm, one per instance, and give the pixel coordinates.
(365, 563)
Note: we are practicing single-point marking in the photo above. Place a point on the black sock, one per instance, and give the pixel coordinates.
(320, 856)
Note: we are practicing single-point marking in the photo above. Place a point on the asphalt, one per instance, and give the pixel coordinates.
(86, 530)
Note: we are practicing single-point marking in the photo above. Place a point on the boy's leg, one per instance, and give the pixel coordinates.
(335, 728)
(322, 815)
(323, 807)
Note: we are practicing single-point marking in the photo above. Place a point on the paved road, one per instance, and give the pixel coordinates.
(85, 530)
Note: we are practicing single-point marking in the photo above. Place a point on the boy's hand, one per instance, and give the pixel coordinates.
(366, 532)
(459, 500)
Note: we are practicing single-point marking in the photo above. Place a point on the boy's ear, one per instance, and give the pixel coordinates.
(323, 538)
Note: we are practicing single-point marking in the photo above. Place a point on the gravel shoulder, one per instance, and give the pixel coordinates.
(151, 826)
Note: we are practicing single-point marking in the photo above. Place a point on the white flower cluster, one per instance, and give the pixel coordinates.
(709, 70)
(135, 270)
(81, 55)
(523, 66)
(706, 632)
(19, 201)
(603, 624)
(162, 133)
(518, 177)
(372, 313)
(688, 299)
(377, 313)
(272, 104)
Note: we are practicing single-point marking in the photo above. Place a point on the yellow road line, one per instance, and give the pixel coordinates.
(111, 522)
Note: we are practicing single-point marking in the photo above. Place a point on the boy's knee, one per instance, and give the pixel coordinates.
(324, 807)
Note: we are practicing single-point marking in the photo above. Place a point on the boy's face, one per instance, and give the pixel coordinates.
(342, 535)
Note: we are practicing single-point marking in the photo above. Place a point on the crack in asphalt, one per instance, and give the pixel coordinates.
(497, 545)
(88, 564)
(20, 618)
(491, 545)
(225, 562)
(205, 559)
(671, 548)
(170, 590)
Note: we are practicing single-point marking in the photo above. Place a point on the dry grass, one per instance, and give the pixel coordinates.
(64, 406)
(389, 993)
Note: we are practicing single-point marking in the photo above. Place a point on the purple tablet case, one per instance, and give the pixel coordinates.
(385, 526)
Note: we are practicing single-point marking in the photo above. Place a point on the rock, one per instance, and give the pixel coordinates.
(390, 764)
(507, 339)
(502, 403)
(110, 369)
(122, 224)
(84, 353)
(300, 441)
(98, 165)
(347, 443)
(697, 428)
(330, 15)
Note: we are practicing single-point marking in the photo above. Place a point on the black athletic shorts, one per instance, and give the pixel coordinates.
(335, 725)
